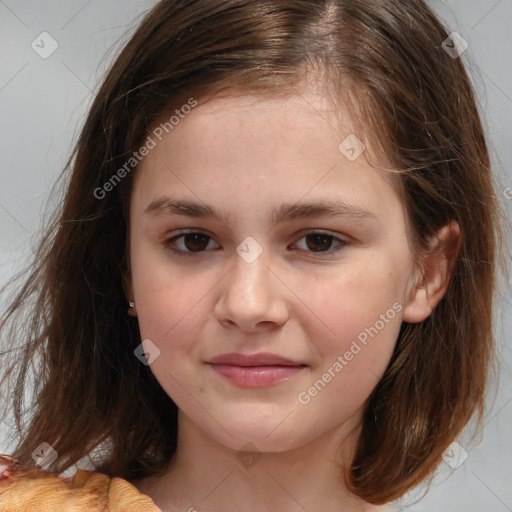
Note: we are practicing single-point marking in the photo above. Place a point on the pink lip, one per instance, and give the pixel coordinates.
(256, 370)
(259, 359)
(256, 376)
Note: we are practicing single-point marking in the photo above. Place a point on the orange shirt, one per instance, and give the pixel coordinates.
(42, 491)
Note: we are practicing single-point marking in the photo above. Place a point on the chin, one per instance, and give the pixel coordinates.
(268, 436)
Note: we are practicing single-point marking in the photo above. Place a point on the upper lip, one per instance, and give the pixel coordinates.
(260, 359)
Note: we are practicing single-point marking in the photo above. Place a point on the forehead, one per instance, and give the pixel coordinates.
(252, 150)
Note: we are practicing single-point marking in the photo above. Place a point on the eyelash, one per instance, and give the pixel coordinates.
(168, 244)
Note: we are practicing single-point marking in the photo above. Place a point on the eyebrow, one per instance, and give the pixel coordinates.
(287, 211)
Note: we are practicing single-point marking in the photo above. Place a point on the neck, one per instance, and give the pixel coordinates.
(207, 476)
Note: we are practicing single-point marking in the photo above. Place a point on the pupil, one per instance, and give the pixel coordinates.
(195, 237)
(320, 237)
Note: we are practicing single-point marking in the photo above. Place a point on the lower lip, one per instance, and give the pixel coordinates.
(256, 376)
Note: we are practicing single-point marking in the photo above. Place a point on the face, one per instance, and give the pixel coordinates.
(327, 291)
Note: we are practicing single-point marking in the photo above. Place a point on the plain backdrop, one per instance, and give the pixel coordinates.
(43, 102)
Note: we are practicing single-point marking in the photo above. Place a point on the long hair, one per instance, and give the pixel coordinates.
(414, 101)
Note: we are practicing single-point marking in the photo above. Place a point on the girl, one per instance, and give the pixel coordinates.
(330, 336)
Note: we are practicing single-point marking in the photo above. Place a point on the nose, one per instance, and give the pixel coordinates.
(253, 297)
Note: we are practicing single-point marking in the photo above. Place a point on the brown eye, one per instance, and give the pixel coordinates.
(193, 243)
(321, 243)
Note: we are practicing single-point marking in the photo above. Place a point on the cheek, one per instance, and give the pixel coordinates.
(353, 359)
(171, 312)
(172, 302)
(361, 311)
(172, 315)
(364, 319)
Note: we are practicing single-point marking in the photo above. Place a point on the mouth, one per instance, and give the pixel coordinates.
(258, 370)
(256, 376)
(259, 359)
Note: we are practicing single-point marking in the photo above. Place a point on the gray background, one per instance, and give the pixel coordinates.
(43, 102)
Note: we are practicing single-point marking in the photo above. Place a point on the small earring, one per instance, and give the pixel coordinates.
(132, 307)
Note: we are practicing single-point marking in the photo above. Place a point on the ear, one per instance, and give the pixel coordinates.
(437, 266)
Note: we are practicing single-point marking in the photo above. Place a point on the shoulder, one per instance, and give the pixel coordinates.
(30, 489)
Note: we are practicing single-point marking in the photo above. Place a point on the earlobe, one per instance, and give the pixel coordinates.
(437, 266)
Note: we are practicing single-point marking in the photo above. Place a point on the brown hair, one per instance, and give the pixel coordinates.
(415, 102)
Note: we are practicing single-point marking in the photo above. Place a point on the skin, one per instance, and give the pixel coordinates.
(246, 155)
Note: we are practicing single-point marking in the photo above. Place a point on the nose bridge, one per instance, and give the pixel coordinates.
(252, 293)
(251, 272)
